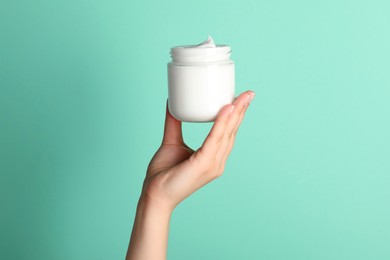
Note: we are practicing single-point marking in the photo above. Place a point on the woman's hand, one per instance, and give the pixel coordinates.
(175, 172)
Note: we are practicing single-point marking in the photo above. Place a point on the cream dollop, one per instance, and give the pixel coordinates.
(209, 43)
(206, 51)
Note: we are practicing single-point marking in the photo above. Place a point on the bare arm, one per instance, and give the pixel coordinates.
(175, 172)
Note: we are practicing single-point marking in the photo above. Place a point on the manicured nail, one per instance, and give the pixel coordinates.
(231, 109)
(251, 96)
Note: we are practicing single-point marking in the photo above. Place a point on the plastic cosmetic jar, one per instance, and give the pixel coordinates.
(200, 81)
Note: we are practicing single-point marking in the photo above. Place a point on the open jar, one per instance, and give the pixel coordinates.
(201, 81)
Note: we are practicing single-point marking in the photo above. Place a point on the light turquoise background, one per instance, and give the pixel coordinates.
(83, 88)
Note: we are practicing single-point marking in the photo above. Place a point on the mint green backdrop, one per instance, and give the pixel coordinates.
(83, 87)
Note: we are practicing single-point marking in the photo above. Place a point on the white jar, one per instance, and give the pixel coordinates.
(200, 81)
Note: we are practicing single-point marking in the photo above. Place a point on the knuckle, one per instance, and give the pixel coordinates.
(231, 134)
(214, 165)
(218, 171)
(236, 130)
(209, 166)
(205, 163)
(242, 107)
(221, 170)
(212, 171)
(216, 136)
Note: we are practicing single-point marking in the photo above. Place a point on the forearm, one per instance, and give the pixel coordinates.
(149, 238)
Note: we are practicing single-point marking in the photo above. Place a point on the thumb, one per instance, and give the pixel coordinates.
(172, 129)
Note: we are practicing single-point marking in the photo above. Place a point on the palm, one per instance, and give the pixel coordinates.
(167, 157)
(162, 176)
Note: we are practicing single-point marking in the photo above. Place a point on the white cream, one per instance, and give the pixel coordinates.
(209, 43)
(206, 51)
(201, 81)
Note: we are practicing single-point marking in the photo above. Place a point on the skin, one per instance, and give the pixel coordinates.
(175, 172)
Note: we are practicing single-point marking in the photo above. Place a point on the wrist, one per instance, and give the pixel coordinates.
(149, 237)
(148, 206)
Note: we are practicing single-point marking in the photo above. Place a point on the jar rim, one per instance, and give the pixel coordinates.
(189, 53)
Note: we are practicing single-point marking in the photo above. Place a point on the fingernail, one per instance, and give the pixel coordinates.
(250, 97)
(231, 109)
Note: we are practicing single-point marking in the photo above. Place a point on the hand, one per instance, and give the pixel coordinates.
(176, 170)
